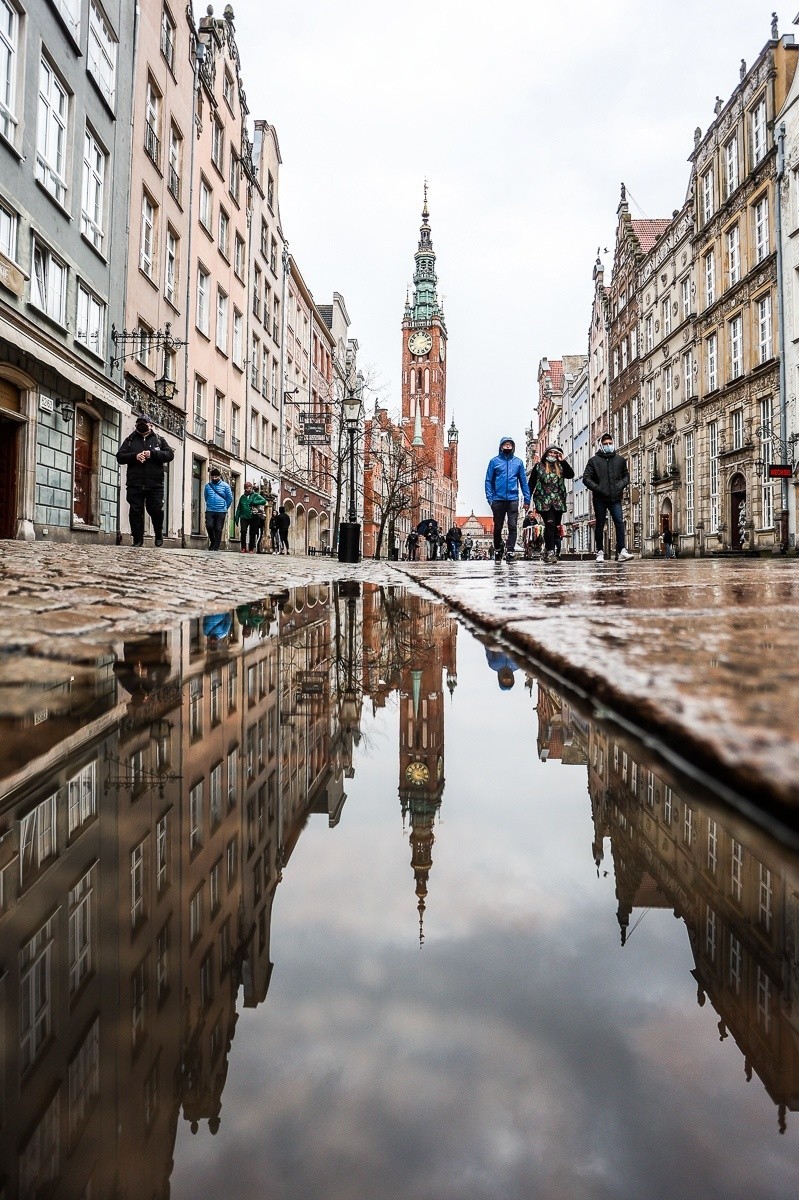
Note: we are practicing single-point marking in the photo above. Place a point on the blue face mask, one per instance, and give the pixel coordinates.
(608, 448)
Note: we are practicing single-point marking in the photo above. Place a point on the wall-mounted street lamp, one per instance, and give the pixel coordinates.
(66, 410)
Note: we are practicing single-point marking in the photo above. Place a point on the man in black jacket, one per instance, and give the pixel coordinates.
(145, 455)
(606, 476)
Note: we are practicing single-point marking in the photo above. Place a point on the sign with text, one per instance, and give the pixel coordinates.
(780, 471)
(315, 440)
(314, 427)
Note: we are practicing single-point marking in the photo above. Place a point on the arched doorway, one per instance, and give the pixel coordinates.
(299, 545)
(11, 421)
(313, 530)
(738, 512)
(324, 532)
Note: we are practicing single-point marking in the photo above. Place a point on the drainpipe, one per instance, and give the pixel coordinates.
(788, 519)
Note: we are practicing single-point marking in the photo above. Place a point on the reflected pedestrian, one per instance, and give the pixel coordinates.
(548, 489)
(606, 476)
(505, 475)
(218, 499)
(145, 455)
(504, 666)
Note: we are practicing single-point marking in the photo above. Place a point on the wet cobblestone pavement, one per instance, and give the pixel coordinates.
(701, 654)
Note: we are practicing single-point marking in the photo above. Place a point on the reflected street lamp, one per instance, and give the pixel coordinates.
(349, 535)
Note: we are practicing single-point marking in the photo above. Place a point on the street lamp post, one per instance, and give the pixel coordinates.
(349, 534)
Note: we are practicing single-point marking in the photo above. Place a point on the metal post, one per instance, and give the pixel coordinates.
(352, 512)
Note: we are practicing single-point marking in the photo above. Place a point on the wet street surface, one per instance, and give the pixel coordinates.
(323, 896)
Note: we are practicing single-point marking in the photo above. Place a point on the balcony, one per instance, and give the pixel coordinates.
(199, 427)
(218, 439)
(173, 183)
(235, 446)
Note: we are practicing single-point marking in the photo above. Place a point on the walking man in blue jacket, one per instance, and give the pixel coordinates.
(504, 477)
(218, 499)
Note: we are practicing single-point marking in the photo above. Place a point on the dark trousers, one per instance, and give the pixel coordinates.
(284, 540)
(601, 510)
(215, 525)
(275, 536)
(502, 509)
(252, 530)
(552, 518)
(140, 498)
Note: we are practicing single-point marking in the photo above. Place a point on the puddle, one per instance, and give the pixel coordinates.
(323, 897)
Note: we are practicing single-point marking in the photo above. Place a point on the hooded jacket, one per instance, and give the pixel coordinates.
(504, 477)
(606, 475)
(149, 473)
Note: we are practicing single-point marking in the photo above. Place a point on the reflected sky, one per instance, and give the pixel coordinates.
(552, 1028)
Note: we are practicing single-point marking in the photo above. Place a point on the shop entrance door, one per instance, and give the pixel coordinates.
(9, 448)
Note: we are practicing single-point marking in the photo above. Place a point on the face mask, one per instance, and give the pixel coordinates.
(506, 452)
(550, 458)
(142, 427)
(608, 448)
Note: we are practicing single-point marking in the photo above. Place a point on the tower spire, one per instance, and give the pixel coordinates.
(425, 298)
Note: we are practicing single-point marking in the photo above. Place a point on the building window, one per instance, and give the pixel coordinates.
(712, 846)
(666, 314)
(227, 89)
(234, 175)
(765, 347)
(196, 817)
(217, 143)
(765, 898)
(223, 240)
(221, 320)
(738, 429)
(9, 227)
(758, 121)
(138, 1003)
(238, 256)
(81, 930)
(82, 798)
(232, 777)
(214, 890)
(91, 321)
(707, 196)
(203, 301)
(731, 173)
(152, 123)
(206, 205)
(215, 782)
(736, 347)
(35, 994)
(196, 914)
(649, 334)
(148, 234)
(711, 927)
(736, 964)
(710, 278)
(668, 388)
(685, 291)
(138, 883)
(270, 191)
(37, 838)
(763, 1000)
(761, 230)
(84, 1080)
(162, 963)
(163, 843)
(171, 264)
(238, 338)
(102, 57)
(737, 870)
(144, 345)
(650, 399)
(175, 158)
(689, 484)
(713, 456)
(51, 133)
(273, 256)
(688, 373)
(712, 363)
(734, 254)
(168, 31)
(9, 49)
(93, 197)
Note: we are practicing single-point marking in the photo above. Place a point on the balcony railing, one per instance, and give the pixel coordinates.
(152, 144)
(199, 427)
(173, 183)
(217, 439)
(235, 447)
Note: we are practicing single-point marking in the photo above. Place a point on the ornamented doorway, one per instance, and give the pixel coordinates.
(738, 512)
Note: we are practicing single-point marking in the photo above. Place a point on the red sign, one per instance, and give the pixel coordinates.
(779, 471)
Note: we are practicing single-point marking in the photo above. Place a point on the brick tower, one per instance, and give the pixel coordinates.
(424, 388)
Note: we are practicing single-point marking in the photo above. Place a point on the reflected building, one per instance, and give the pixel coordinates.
(562, 731)
(732, 886)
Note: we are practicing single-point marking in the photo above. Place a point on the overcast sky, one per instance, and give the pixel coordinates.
(525, 118)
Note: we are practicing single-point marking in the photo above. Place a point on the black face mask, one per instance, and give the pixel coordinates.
(142, 427)
(506, 453)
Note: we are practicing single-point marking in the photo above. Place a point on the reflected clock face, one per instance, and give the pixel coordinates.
(420, 342)
(417, 772)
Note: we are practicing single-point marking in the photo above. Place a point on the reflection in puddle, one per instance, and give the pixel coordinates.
(154, 800)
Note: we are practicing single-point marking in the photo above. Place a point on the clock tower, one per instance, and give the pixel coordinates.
(424, 388)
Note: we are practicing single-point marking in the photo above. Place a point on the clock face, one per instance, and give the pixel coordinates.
(417, 772)
(420, 342)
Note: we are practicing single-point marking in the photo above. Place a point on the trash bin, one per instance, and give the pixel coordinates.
(349, 542)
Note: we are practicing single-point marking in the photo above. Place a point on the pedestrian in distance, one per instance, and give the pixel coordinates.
(412, 546)
(454, 539)
(466, 549)
(249, 516)
(606, 476)
(283, 525)
(548, 490)
(274, 533)
(145, 454)
(505, 475)
(668, 542)
(218, 499)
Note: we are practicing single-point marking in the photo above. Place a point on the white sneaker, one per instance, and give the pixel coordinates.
(624, 555)
(600, 555)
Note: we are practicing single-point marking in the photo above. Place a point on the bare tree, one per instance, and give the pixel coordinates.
(398, 472)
